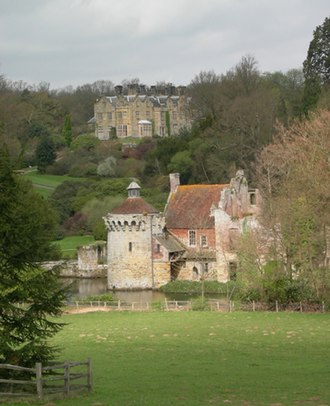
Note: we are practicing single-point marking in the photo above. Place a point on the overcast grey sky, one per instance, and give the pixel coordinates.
(72, 42)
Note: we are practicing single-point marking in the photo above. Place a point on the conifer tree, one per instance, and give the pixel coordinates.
(29, 295)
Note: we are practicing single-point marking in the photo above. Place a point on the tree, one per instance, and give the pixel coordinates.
(45, 154)
(181, 162)
(317, 65)
(67, 131)
(294, 178)
(107, 167)
(29, 295)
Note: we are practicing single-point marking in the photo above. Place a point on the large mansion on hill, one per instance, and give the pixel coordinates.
(142, 112)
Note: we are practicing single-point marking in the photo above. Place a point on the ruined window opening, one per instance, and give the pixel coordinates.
(252, 199)
(203, 240)
(206, 267)
(195, 273)
(158, 248)
(232, 271)
(192, 238)
(130, 246)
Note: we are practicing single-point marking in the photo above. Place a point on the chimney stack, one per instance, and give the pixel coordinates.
(174, 182)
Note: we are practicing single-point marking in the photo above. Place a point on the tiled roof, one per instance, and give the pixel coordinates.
(190, 206)
(134, 205)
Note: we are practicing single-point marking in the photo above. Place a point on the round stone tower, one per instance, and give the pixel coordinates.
(131, 227)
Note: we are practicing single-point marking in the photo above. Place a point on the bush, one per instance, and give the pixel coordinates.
(196, 287)
(199, 303)
(83, 169)
(104, 297)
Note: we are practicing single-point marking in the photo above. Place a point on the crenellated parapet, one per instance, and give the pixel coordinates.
(135, 222)
(125, 223)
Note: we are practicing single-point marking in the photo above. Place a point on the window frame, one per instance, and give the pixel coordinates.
(192, 238)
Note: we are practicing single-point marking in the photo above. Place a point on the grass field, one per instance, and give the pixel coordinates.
(46, 184)
(201, 358)
(69, 244)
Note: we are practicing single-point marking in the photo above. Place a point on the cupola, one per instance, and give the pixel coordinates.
(133, 190)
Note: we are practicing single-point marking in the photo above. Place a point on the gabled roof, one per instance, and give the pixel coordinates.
(134, 205)
(189, 207)
(171, 243)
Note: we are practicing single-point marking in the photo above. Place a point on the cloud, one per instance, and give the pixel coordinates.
(78, 41)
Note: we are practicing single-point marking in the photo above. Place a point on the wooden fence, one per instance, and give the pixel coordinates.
(185, 305)
(42, 381)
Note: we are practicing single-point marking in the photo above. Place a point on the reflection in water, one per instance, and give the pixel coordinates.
(85, 287)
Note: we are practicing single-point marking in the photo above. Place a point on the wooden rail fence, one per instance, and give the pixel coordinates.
(42, 381)
(185, 305)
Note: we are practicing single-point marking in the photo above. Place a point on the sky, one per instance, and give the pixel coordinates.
(73, 42)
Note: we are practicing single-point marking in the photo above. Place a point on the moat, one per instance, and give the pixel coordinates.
(85, 287)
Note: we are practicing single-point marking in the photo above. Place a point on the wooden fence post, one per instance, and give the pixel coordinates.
(39, 380)
(118, 304)
(67, 378)
(276, 305)
(89, 375)
(253, 306)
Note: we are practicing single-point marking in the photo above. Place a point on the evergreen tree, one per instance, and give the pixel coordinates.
(45, 154)
(29, 295)
(317, 65)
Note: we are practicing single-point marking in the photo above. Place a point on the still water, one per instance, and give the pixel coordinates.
(85, 287)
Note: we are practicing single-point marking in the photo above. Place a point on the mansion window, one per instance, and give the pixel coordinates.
(109, 116)
(121, 130)
(192, 238)
(130, 246)
(121, 115)
(137, 114)
(99, 116)
(145, 129)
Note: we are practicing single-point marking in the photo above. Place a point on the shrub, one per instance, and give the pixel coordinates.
(199, 303)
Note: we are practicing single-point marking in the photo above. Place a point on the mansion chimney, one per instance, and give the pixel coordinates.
(174, 182)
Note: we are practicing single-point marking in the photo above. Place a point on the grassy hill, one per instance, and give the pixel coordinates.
(70, 244)
(46, 184)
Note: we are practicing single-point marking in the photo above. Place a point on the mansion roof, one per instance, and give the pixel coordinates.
(189, 207)
(134, 205)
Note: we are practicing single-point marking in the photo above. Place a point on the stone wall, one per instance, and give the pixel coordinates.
(91, 256)
(162, 273)
(70, 269)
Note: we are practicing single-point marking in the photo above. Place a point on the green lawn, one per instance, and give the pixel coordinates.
(69, 244)
(46, 184)
(201, 358)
